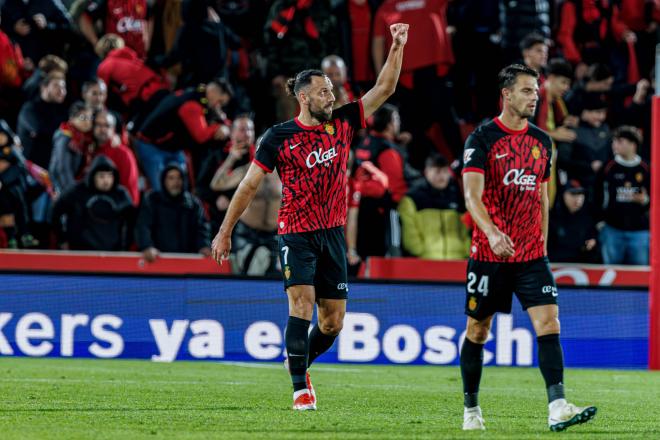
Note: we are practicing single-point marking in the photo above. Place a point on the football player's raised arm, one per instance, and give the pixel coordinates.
(545, 215)
(242, 197)
(500, 243)
(389, 74)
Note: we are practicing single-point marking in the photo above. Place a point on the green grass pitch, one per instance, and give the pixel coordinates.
(111, 399)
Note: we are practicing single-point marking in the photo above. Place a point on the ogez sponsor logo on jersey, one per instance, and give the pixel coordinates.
(526, 182)
(129, 24)
(320, 157)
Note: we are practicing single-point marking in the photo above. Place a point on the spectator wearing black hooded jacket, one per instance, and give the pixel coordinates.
(14, 213)
(172, 219)
(40, 27)
(572, 231)
(96, 214)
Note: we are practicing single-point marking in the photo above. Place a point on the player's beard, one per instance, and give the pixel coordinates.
(321, 115)
(526, 112)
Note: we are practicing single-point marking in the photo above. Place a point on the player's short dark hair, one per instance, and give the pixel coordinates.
(302, 79)
(224, 85)
(76, 108)
(560, 67)
(633, 134)
(382, 117)
(507, 76)
(436, 160)
(532, 39)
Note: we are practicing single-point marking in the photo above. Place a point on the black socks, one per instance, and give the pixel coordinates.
(297, 348)
(319, 343)
(551, 363)
(472, 360)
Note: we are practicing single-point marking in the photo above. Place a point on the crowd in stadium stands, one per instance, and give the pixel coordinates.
(128, 124)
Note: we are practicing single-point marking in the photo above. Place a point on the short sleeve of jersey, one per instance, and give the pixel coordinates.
(267, 150)
(96, 9)
(353, 113)
(474, 154)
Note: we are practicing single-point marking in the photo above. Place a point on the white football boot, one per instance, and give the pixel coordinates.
(563, 414)
(472, 419)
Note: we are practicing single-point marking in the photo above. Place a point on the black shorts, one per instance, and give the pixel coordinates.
(316, 258)
(490, 286)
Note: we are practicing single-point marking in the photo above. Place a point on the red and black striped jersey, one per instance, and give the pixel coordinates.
(311, 162)
(513, 163)
(126, 18)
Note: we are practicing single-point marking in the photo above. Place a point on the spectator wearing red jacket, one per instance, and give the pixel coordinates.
(109, 144)
(179, 123)
(424, 81)
(12, 68)
(377, 221)
(134, 88)
(354, 23)
(589, 31)
(642, 17)
(12, 74)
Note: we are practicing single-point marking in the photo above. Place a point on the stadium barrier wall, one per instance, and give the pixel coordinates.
(375, 268)
(192, 318)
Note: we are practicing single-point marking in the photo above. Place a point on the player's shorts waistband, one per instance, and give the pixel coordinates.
(315, 231)
(532, 260)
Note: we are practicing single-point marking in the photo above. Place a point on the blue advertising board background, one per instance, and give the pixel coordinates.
(243, 320)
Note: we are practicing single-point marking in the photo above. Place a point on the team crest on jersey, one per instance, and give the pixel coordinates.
(287, 272)
(329, 128)
(472, 304)
(536, 152)
(639, 177)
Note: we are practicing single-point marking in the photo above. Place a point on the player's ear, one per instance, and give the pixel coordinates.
(506, 93)
(302, 97)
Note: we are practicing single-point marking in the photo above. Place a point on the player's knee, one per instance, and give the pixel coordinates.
(332, 326)
(478, 333)
(303, 308)
(548, 326)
